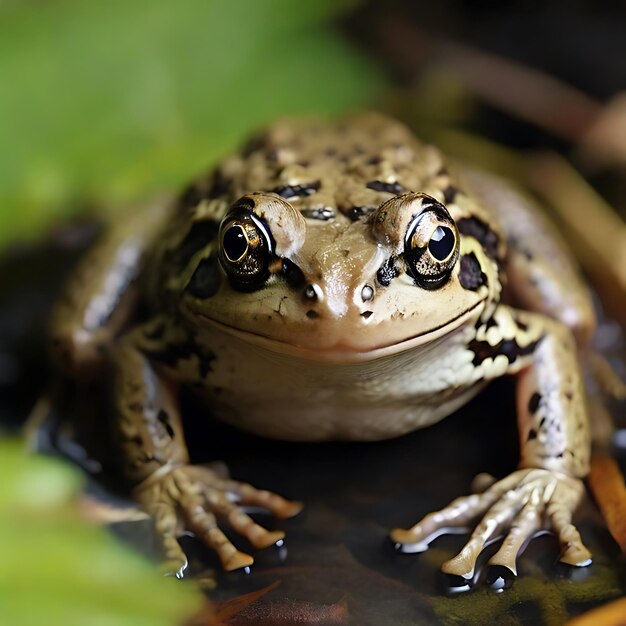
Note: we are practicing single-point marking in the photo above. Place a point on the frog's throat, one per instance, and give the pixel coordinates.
(341, 353)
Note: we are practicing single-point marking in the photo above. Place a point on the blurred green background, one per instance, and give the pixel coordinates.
(104, 102)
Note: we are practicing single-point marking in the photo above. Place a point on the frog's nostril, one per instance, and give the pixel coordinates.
(313, 293)
(367, 293)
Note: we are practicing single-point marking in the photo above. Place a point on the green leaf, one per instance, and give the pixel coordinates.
(109, 101)
(58, 569)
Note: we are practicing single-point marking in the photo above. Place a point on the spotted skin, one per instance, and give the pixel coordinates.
(366, 274)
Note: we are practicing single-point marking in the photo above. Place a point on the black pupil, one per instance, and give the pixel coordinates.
(235, 243)
(441, 243)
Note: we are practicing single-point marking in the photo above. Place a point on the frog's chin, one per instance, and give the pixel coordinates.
(344, 350)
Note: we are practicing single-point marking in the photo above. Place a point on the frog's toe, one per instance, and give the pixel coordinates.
(168, 526)
(524, 526)
(203, 524)
(456, 514)
(497, 518)
(277, 505)
(194, 498)
(573, 550)
(456, 517)
(239, 520)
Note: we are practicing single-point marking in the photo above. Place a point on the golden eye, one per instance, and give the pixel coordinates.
(431, 246)
(246, 249)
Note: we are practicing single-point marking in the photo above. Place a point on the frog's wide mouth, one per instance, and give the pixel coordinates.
(344, 353)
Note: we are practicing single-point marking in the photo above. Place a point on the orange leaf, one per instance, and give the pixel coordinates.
(607, 484)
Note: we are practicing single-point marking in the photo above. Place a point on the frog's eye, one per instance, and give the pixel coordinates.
(246, 249)
(431, 246)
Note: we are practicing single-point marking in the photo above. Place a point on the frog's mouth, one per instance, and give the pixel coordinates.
(344, 352)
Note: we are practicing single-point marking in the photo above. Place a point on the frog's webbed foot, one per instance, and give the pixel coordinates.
(527, 501)
(194, 497)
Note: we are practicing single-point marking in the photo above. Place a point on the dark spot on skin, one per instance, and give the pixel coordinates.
(533, 403)
(490, 323)
(387, 272)
(449, 194)
(378, 185)
(205, 281)
(473, 227)
(521, 325)
(569, 395)
(164, 418)
(156, 332)
(185, 350)
(311, 314)
(357, 212)
(292, 274)
(532, 434)
(199, 236)
(509, 347)
(375, 160)
(367, 314)
(205, 364)
(471, 275)
(319, 213)
(297, 191)
(443, 171)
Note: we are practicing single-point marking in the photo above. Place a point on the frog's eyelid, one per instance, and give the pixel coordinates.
(395, 219)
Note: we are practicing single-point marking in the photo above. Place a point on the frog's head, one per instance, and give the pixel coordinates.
(339, 290)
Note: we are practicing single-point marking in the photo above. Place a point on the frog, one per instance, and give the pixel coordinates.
(336, 280)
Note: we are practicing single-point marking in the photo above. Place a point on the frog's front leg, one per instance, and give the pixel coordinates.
(177, 494)
(555, 448)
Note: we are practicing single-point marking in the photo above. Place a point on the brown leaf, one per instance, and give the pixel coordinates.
(220, 613)
(607, 484)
